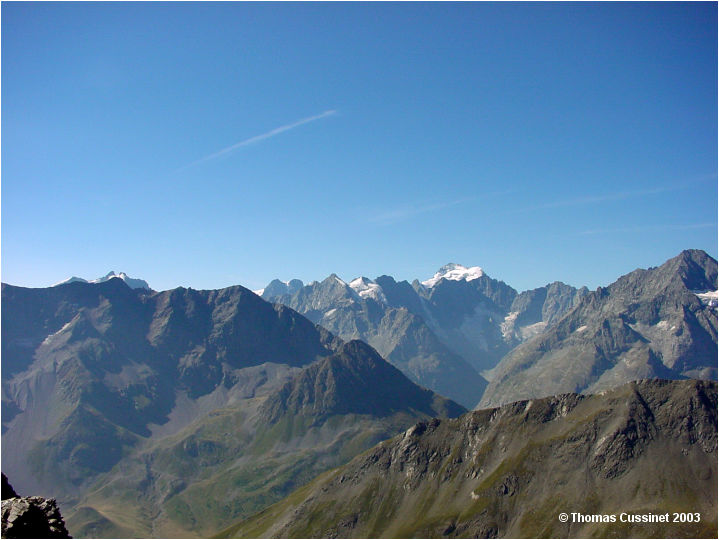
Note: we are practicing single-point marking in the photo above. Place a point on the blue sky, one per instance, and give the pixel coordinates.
(207, 145)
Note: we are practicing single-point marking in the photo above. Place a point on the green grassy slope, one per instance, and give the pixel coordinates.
(645, 448)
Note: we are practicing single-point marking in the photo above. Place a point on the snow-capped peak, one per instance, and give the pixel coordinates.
(133, 283)
(454, 272)
(72, 279)
(366, 288)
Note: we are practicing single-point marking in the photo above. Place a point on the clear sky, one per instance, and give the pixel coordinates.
(208, 145)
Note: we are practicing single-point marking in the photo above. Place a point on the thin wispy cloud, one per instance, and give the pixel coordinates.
(646, 228)
(412, 210)
(618, 196)
(262, 137)
(403, 213)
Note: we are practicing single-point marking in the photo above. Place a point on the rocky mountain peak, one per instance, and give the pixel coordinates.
(280, 288)
(366, 288)
(356, 379)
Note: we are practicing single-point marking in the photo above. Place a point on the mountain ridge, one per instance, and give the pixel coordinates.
(647, 446)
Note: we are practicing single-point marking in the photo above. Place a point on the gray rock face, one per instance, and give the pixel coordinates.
(279, 288)
(649, 323)
(649, 446)
(30, 517)
(545, 304)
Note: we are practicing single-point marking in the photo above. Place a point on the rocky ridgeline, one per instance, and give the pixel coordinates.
(30, 517)
(509, 472)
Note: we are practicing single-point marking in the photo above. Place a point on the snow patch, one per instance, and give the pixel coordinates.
(366, 288)
(72, 279)
(454, 272)
(49, 338)
(532, 330)
(581, 328)
(507, 326)
(708, 298)
(330, 312)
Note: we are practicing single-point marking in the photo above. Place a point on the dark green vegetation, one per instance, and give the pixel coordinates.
(649, 323)
(645, 447)
(175, 413)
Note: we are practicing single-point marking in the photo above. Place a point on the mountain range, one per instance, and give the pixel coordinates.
(171, 413)
(655, 323)
(443, 333)
(177, 413)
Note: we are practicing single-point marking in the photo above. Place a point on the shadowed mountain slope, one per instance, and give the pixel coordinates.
(355, 380)
(175, 413)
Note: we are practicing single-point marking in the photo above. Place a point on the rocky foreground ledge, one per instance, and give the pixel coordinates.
(30, 517)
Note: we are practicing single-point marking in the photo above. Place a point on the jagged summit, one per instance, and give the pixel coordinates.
(454, 272)
(278, 288)
(133, 283)
(368, 288)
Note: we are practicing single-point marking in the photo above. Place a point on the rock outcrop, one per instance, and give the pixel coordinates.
(30, 517)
